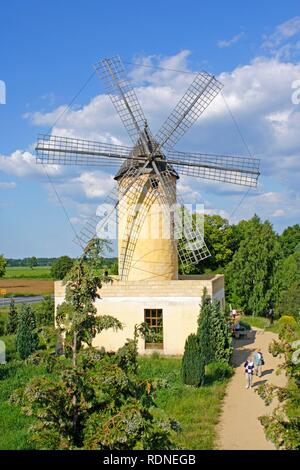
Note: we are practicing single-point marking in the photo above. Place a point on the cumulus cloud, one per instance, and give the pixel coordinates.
(23, 164)
(258, 95)
(228, 42)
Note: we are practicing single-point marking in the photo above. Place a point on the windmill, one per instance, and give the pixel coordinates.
(148, 175)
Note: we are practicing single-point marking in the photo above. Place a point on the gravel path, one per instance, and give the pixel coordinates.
(239, 428)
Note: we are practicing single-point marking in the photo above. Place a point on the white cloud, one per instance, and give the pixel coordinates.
(259, 96)
(281, 42)
(283, 31)
(7, 185)
(94, 184)
(23, 164)
(228, 42)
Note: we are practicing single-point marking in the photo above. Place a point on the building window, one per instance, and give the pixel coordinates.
(154, 332)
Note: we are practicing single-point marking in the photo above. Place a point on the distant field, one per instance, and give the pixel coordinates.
(27, 286)
(40, 272)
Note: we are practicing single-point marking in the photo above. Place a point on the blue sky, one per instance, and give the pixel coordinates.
(46, 54)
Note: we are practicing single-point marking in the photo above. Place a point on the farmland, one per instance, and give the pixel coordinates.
(24, 272)
(27, 286)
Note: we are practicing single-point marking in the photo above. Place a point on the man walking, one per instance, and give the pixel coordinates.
(258, 362)
(249, 367)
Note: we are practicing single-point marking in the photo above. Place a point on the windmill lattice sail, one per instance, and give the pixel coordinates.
(147, 175)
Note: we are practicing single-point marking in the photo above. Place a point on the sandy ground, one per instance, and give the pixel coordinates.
(239, 428)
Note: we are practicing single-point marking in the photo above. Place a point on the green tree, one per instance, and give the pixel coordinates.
(289, 240)
(97, 401)
(77, 316)
(32, 262)
(213, 332)
(3, 264)
(192, 367)
(250, 275)
(44, 312)
(61, 266)
(287, 286)
(114, 269)
(212, 344)
(12, 322)
(26, 337)
(282, 426)
(221, 240)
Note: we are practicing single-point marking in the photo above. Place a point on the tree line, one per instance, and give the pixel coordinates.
(262, 268)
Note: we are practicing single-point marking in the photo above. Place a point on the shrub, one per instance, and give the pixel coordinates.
(192, 368)
(217, 371)
(287, 327)
(287, 320)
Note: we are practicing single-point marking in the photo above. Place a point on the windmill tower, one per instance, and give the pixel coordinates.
(148, 175)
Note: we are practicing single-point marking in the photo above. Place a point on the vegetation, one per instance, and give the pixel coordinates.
(192, 370)
(210, 345)
(41, 262)
(61, 267)
(196, 409)
(283, 425)
(249, 276)
(32, 262)
(221, 239)
(290, 240)
(26, 335)
(213, 332)
(12, 322)
(96, 400)
(287, 285)
(3, 264)
(40, 272)
(44, 312)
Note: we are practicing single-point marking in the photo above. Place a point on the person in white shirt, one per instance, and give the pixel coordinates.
(249, 367)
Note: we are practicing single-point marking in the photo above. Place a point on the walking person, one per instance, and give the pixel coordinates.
(249, 367)
(258, 362)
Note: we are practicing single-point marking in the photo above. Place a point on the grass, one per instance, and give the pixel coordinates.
(13, 423)
(264, 324)
(39, 272)
(196, 409)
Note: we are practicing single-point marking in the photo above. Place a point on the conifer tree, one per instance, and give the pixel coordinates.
(12, 321)
(27, 338)
(192, 368)
(213, 332)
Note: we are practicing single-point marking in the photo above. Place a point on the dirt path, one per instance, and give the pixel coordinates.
(239, 428)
